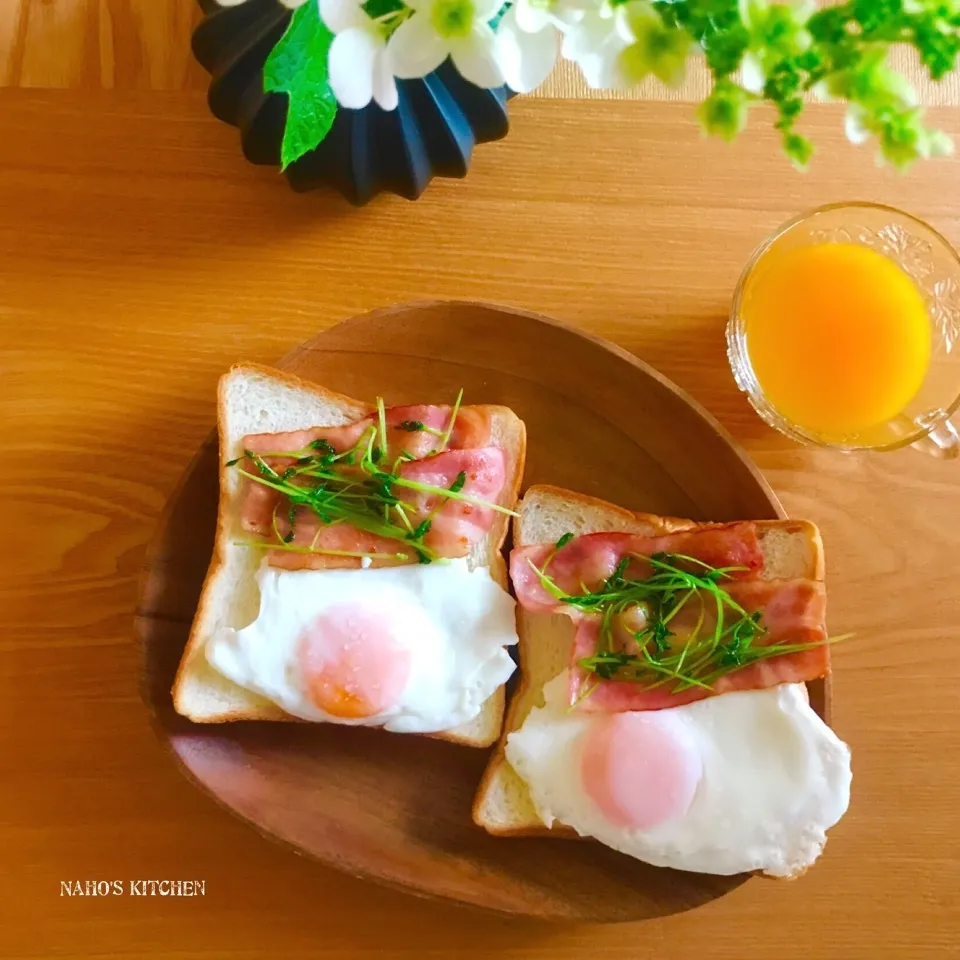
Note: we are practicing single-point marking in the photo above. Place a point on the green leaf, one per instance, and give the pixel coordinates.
(297, 66)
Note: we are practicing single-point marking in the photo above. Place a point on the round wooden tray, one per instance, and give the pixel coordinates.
(396, 808)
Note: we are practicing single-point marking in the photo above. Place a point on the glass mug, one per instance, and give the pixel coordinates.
(934, 267)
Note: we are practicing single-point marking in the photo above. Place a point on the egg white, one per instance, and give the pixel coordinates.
(457, 624)
(775, 778)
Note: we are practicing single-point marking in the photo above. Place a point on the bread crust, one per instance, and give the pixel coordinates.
(195, 640)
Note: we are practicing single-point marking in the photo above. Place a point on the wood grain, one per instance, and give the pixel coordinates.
(99, 44)
(141, 255)
(145, 45)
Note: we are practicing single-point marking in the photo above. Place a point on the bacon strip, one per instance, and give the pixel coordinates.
(415, 430)
(455, 525)
(794, 612)
(260, 502)
(471, 431)
(586, 562)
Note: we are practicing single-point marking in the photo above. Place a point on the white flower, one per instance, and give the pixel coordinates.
(652, 46)
(594, 43)
(617, 47)
(855, 125)
(752, 75)
(358, 66)
(528, 40)
(753, 13)
(822, 92)
(937, 144)
(459, 29)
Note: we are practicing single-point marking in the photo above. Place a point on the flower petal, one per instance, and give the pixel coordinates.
(353, 55)
(630, 21)
(937, 144)
(599, 72)
(384, 84)
(821, 91)
(340, 15)
(588, 37)
(855, 126)
(595, 44)
(601, 65)
(529, 18)
(525, 59)
(566, 13)
(474, 57)
(415, 50)
(752, 75)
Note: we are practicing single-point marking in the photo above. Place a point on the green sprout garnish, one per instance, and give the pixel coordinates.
(564, 540)
(324, 446)
(421, 531)
(445, 437)
(656, 656)
(359, 555)
(417, 426)
(382, 423)
(356, 488)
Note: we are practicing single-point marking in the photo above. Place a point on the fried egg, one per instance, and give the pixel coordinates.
(414, 649)
(744, 781)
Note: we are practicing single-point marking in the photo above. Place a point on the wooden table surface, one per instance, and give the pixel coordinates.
(140, 256)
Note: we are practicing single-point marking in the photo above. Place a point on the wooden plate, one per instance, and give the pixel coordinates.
(396, 808)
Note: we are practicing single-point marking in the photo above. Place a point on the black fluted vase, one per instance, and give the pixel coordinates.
(432, 132)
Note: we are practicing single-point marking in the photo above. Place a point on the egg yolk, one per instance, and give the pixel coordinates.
(639, 769)
(352, 664)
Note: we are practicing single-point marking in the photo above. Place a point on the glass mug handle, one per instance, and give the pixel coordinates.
(941, 442)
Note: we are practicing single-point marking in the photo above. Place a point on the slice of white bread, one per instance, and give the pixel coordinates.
(255, 399)
(791, 548)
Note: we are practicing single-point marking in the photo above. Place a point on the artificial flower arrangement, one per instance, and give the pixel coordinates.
(338, 54)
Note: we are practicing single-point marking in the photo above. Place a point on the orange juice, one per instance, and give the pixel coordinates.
(838, 337)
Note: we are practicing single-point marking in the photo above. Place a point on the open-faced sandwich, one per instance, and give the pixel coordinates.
(662, 708)
(357, 576)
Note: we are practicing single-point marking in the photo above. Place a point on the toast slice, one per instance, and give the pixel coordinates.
(256, 399)
(791, 549)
